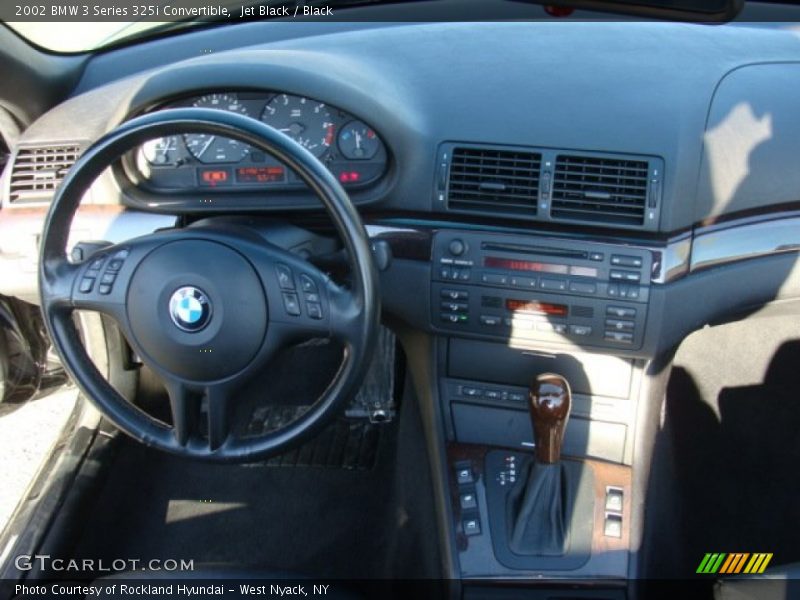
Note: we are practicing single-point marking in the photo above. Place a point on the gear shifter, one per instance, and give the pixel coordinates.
(540, 507)
(549, 403)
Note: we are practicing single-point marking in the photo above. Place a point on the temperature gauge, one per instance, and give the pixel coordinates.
(161, 151)
(357, 141)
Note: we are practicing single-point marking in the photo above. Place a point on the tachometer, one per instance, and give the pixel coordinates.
(211, 148)
(306, 121)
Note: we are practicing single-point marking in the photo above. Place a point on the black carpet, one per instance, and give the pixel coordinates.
(313, 520)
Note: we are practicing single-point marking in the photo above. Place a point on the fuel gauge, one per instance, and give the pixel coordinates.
(357, 141)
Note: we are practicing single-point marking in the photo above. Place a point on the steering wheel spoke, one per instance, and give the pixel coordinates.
(184, 410)
(218, 411)
(188, 405)
(346, 315)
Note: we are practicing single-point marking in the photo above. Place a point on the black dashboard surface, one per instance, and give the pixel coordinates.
(626, 88)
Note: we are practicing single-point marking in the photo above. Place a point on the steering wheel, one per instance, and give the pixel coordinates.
(206, 308)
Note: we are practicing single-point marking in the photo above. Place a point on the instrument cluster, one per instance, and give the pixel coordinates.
(349, 147)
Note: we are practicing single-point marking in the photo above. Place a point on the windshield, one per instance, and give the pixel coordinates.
(83, 37)
(84, 26)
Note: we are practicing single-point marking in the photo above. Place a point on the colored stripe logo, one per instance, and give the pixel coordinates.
(734, 563)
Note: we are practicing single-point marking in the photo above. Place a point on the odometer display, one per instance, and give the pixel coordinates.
(260, 174)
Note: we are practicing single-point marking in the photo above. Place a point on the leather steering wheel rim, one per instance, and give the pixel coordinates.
(352, 316)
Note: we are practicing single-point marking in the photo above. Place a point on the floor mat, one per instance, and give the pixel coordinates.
(320, 521)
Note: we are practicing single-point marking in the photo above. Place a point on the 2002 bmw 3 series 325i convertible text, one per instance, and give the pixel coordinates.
(443, 298)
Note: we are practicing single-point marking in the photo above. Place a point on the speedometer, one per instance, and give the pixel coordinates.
(211, 148)
(306, 121)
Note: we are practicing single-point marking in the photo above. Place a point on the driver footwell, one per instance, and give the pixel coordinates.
(324, 522)
(361, 506)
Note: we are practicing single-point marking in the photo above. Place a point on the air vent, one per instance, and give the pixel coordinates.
(37, 172)
(494, 181)
(603, 190)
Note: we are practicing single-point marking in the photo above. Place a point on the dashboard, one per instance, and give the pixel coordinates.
(346, 144)
(429, 132)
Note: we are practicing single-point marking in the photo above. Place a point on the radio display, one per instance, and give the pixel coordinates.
(513, 264)
(536, 308)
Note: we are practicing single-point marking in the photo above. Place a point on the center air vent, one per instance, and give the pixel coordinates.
(488, 180)
(38, 171)
(600, 189)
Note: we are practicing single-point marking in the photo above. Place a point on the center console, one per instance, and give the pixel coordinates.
(510, 309)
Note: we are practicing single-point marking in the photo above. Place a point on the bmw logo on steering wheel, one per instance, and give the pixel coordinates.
(190, 309)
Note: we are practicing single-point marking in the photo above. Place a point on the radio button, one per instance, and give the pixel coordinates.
(620, 311)
(596, 256)
(613, 290)
(455, 294)
(490, 320)
(553, 284)
(633, 292)
(582, 330)
(582, 288)
(457, 247)
(494, 278)
(472, 392)
(616, 275)
(523, 282)
(622, 260)
(620, 325)
(632, 276)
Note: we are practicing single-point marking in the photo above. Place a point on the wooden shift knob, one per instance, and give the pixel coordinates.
(549, 402)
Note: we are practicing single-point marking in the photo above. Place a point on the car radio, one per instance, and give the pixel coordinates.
(552, 290)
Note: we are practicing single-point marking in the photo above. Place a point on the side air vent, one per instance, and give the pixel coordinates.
(600, 189)
(38, 171)
(489, 180)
